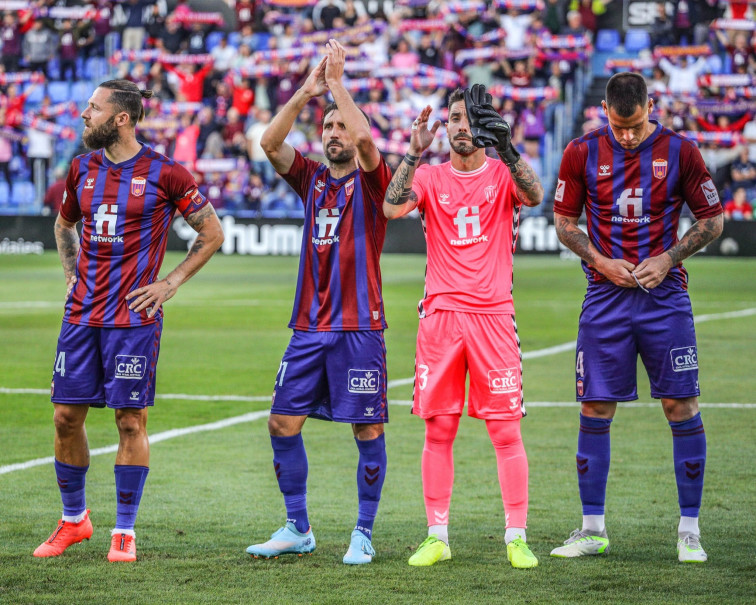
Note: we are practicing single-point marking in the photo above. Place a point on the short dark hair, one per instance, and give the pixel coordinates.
(127, 96)
(625, 92)
(457, 95)
(332, 107)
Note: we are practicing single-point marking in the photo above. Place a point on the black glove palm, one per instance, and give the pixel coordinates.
(487, 127)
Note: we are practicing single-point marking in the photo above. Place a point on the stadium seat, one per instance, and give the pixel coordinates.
(234, 39)
(80, 92)
(213, 39)
(36, 95)
(637, 40)
(95, 68)
(59, 92)
(22, 193)
(3, 193)
(607, 40)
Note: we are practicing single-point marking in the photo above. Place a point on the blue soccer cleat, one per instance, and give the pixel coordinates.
(287, 540)
(360, 551)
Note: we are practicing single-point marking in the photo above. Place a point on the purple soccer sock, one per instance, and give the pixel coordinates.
(129, 481)
(371, 473)
(593, 456)
(689, 454)
(71, 482)
(290, 464)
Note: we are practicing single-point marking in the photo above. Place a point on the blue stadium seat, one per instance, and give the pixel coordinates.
(80, 92)
(95, 68)
(3, 192)
(213, 39)
(234, 39)
(22, 193)
(59, 92)
(36, 95)
(636, 40)
(607, 40)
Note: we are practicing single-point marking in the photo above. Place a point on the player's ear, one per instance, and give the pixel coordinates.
(604, 107)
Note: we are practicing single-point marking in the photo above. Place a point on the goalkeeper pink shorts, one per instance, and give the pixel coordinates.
(452, 343)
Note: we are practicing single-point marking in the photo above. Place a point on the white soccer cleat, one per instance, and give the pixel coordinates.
(583, 542)
(689, 549)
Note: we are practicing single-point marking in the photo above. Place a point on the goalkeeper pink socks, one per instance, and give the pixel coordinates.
(512, 464)
(438, 467)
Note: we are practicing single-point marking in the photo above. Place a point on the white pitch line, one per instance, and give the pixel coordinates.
(157, 437)
(170, 434)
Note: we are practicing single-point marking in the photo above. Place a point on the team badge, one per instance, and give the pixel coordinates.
(490, 193)
(660, 168)
(579, 388)
(138, 185)
(349, 187)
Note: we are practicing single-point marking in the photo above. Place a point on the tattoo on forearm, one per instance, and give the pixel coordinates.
(400, 187)
(67, 241)
(529, 188)
(575, 239)
(699, 235)
(197, 219)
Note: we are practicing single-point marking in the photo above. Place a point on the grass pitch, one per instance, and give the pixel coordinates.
(211, 493)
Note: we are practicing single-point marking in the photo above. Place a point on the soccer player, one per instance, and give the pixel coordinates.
(632, 177)
(470, 210)
(125, 194)
(335, 365)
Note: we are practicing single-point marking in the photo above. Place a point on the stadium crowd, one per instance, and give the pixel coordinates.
(219, 76)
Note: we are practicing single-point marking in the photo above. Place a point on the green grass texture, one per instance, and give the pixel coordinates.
(211, 490)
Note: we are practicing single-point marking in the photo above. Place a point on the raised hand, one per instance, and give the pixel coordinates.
(420, 137)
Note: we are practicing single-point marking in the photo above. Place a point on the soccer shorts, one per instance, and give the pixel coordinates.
(339, 376)
(106, 366)
(617, 324)
(451, 343)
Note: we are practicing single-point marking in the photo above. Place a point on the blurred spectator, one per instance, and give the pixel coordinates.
(154, 25)
(404, 56)
(554, 13)
(196, 43)
(39, 152)
(54, 195)
(243, 97)
(172, 39)
(14, 104)
(6, 152)
(683, 77)
(662, 31)
(245, 13)
(738, 208)
(223, 55)
(68, 50)
(323, 15)
(11, 37)
(575, 25)
(657, 84)
(134, 33)
(233, 126)
(185, 148)
(190, 80)
(428, 51)
(749, 133)
(353, 13)
(260, 163)
(39, 47)
(516, 25)
(743, 173)
(480, 71)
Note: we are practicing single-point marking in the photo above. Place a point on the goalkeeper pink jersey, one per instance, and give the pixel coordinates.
(470, 221)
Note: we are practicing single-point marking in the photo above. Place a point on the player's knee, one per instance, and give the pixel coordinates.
(131, 424)
(504, 433)
(441, 429)
(67, 422)
(680, 410)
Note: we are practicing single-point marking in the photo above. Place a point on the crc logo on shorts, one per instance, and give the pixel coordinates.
(130, 366)
(364, 381)
(504, 381)
(684, 359)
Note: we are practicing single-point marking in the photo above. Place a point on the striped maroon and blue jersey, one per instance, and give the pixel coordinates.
(339, 282)
(126, 210)
(633, 197)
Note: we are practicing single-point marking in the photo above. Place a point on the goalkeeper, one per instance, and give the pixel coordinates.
(470, 208)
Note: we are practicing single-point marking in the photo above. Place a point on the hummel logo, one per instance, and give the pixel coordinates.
(373, 472)
(319, 185)
(605, 170)
(443, 198)
(134, 396)
(582, 465)
(125, 497)
(90, 184)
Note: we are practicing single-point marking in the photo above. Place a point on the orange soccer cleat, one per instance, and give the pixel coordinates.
(65, 535)
(122, 548)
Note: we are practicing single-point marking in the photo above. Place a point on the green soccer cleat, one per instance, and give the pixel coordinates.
(520, 556)
(430, 552)
(583, 542)
(689, 549)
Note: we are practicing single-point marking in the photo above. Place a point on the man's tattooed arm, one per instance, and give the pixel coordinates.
(529, 188)
(399, 191)
(699, 235)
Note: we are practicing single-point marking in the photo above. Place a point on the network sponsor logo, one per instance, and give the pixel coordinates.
(467, 242)
(641, 220)
(130, 367)
(363, 381)
(684, 359)
(106, 239)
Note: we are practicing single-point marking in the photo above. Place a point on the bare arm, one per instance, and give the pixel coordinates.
(67, 242)
(400, 199)
(280, 153)
(356, 124)
(652, 271)
(617, 270)
(209, 238)
(529, 188)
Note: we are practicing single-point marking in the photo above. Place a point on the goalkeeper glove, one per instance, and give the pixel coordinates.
(487, 127)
